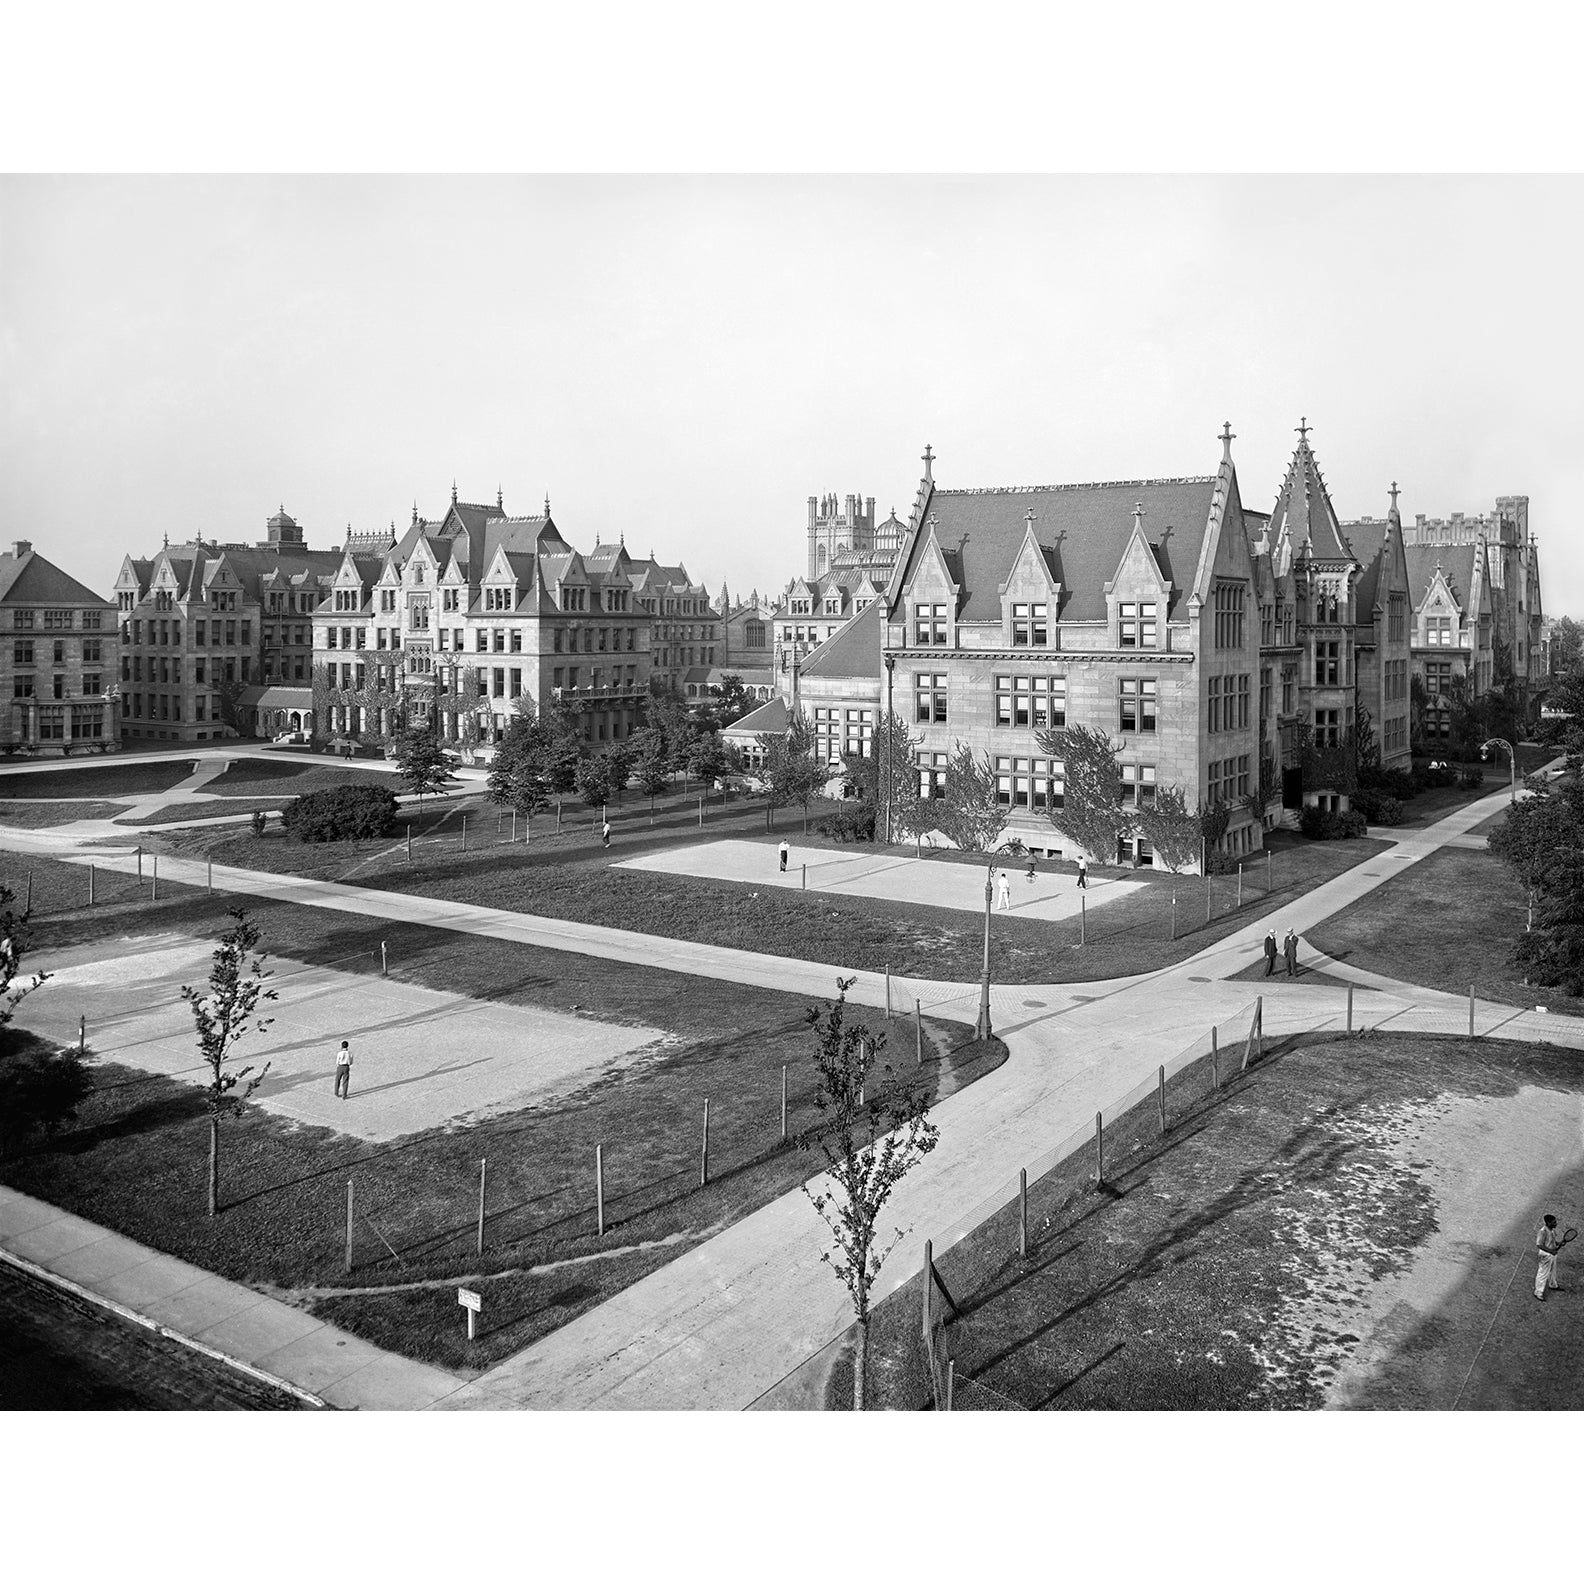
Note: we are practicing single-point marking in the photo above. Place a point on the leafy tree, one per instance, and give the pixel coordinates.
(596, 785)
(650, 763)
(888, 776)
(971, 816)
(1092, 814)
(791, 769)
(222, 1015)
(1214, 819)
(1567, 645)
(731, 700)
(563, 750)
(710, 759)
(1366, 748)
(422, 761)
(1552, 953)
(1171, 828)
(519, 776)
(873, 1130)
(341, 813)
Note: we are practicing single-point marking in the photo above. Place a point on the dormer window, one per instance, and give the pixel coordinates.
(802, 607)
(929, 625)
(833, 606)
(387, 599)
(495, 599)
(448, 599)
(1438, 630)
(574, 599)
(615, 599)
(1136, 624)
(1030, 626)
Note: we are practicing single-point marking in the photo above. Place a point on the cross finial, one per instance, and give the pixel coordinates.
(929, 458)
(1227, 437)
(932, 522)
(1394, 494)
(1029, 518)
(1138, 515)
(453, 492)
(415, 514)
(547, 503)
(1303, 430)
(500, 498)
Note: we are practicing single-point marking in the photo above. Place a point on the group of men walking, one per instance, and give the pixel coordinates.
(1289, 949)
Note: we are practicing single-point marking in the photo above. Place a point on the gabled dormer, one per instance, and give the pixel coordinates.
(387, 591)
(423, 565)
(347, 593)
(1138, 594)
(1030, 596)
(932, 596)
(571, 583)
(499, 589)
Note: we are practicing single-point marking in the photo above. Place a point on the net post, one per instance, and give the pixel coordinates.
(1023, 1211)
(1099, 1149)
(1161, 1096)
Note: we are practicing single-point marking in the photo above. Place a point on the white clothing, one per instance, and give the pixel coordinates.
(1003, 891)
(1547, 1243)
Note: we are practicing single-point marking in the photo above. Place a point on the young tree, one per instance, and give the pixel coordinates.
(791, 768)
(619, 756)
(519, 775)
(888, 776)
(1171, 828)
(1567, 645)
(222, 1015)
(1213, 819)
(1266, 791)
(873, 1130)
(731, 700)
(710, 759)
(563, 750)
(595, 784)
(1092, 814)
(422, 762)
(971, 816)
(1552, 953)
(649, 762)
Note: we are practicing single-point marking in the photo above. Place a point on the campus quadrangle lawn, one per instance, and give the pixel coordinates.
(135, 1159)
(98, 779)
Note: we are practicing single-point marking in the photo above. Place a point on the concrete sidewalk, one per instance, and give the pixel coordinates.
(285, 1346)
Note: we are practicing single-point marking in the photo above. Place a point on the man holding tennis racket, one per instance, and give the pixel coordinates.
(1548, 1242)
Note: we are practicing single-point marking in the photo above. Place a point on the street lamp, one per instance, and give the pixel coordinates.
(1512, 763)
(982, 1027)
(885, 751)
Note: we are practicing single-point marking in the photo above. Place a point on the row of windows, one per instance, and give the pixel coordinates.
(1438, 631)
(168, 669)
(1228, 779)
(1228, 702)
(22, 687)
(291, 635)
(1040, 702)
(1229, 598)
(57, 620)
(92, 651)
(78, 722)
(210, 634)
(842, 731)
(1394, 735)
(1396, 679)
(168, 707)
(1438, 676)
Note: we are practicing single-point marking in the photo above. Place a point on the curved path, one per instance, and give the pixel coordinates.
(725, 1322)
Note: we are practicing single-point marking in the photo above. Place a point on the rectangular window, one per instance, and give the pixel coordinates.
(1137, 697)
(1396, 618)
(1265, 692)
(932, 774)
(930, 695)
(1327, 662)
(929, 625)
(1438, 630)
(1229, 615)
(1242, 702)
(516, 681)
(1327, 728)
(230, 632)
(1138, 786)
(1030, 626)
(22, 652)
(1289, 688)
(516, 640)
(1213, 704)
(247, 632)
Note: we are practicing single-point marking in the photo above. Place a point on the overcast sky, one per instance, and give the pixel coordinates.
(686, 360)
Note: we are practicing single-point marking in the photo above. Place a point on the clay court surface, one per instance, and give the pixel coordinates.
(1049, 895)
(421, 1058)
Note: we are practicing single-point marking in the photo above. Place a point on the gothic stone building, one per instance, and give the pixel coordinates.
(59, 657)
(1126, 607)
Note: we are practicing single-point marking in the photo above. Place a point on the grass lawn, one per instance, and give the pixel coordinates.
(1449, 921)
(290, 778)
(39, 816)
(134, 778)
(1187, 1282)
(135, 1160)
(218, 809)
(569, 876)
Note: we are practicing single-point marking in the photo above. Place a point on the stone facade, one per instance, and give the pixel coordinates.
(59, 657)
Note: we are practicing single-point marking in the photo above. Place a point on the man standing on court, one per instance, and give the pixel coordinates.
(1003, 889)
(1290, 952)
(605, 833)
(343, 1076)
(1083, 873)
(1547, 1243)
(783, 849)
(1270, 953)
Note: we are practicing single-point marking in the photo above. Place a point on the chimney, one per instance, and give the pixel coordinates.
(848, 511)
(23, 547)
(813, 509)
(869, 513)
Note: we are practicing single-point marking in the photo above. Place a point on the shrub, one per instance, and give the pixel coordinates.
(1313, 822)
(1471, 778)
(40, 1087)
(1322, 825)
(1350, 824)
(343, 813)
(856, 823)
(1219, 862)
(1390, 812)
(1398, 784)
(1368, 801)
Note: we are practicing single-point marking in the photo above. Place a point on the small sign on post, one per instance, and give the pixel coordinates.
(473, 1303)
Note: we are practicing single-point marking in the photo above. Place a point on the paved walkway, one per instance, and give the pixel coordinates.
(721, 1324)
(283, 1345)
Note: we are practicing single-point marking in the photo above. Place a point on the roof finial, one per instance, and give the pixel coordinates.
(1303, 431)
(500, 498)
(1138, 515)
(547, 503)
(1028, 517)
(1227, 437)
(453, 492)
(1394, 493)
(929, 458)
(165, 541)
(415, 512)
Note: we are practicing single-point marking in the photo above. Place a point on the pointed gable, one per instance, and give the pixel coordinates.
(1303, 517)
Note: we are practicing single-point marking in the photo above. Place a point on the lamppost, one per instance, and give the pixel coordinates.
(982, 1027)
(885, 750)
(1512, 763)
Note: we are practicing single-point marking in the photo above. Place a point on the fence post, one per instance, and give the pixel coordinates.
(1240, 884)
(483, 1167)
(704, 1152)
(1215, 1060)
(90, 885)
(349, 1226)
(1083, 918)
(1023, 1211)
(140, 860)
(384, 963)
(27, 907)
(514, 828)
(951, 1383)
(154, 897)
(1099, 1149)
(783, 1102)
(209, 878)
(464, 833)
(82, 1033)
(1174, 913)
(1161, 1096)
(918, 1033)
(1471, 1011)
(1268, 855)
(804, 886)
(1350, 1009)
(599, 1186)
(409, 844)
(1209, 901)
(888, 992)
(1248, 1044)
(701, 814)
(929, 1283)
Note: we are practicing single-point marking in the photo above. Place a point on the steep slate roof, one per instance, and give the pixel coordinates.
(1083, 530)
(28, 579)
(1457, 566)
(1303, 510)
(1368, 540)
(853, 652)
(771, 717)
